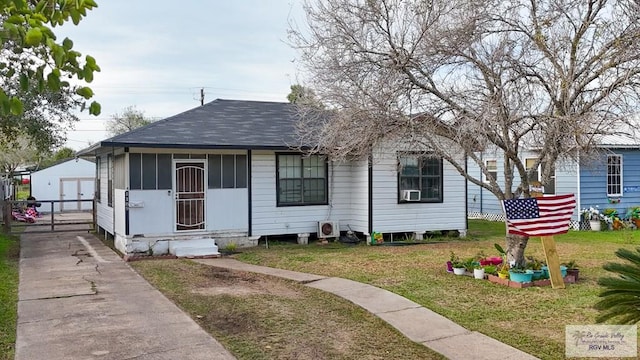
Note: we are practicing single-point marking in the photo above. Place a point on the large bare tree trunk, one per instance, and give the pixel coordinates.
(515, 248)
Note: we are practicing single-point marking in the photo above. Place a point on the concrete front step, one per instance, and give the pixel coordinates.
(194, 247)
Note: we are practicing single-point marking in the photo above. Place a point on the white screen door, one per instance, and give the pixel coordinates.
(189, 194)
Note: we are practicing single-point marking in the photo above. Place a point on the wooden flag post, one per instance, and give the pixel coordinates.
(549, 245)
(553, 262)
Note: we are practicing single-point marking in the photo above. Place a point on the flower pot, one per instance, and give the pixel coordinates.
(563, 270)
(449, 267)
(538, 274)
(520, 277)
(459, 271)
(595, 225)
(574, 272)
(478, 273)
(502, 275)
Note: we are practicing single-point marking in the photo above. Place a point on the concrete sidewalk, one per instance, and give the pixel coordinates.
(79, 300)
(414, 321)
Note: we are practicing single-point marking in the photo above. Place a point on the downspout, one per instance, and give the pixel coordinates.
(249, 195)
(126, 192)
(578, 188)
(466, 194)
(370, 193)
(110, 174)
(481, 189)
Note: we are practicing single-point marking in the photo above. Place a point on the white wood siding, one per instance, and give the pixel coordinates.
(104, 213)
(360, 196)
(155, 217)
(227, 210)
(391, 216)
(119, 215)
(269, 219)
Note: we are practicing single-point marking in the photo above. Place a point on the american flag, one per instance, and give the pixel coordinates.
(544, 216)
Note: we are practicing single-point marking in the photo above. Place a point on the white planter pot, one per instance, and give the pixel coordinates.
(478, 273)
(459, 271)
(595, 225)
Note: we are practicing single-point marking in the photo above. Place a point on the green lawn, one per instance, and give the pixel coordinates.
(531, 319)
(9, 254)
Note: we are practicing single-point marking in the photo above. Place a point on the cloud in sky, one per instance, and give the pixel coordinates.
(157, 55)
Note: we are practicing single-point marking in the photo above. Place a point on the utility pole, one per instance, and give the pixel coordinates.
(201, 96)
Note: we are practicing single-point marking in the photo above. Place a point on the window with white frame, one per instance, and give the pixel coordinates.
(301, 180)
(537, 175)
(421, 172)
(492, 168)
(614, 175)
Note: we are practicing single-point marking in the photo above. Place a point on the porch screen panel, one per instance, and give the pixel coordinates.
(164, 172)
(241, 171)
(149, 171)
(228, 171)
(190, 196)
(135, 171)
(215, 171)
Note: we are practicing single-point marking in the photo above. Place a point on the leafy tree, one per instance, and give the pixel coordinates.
(458, 77)
(621, 296)
(46, 115)
(131, 118)
(32, 53)
(60, 154)
(19, 152)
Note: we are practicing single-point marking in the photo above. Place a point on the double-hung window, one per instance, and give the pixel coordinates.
(537, 175)
(421, 172)
(614, 175)
(301, 180)
(492, 169)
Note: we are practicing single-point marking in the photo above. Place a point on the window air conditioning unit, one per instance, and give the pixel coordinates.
(328, 229)
(411, 195)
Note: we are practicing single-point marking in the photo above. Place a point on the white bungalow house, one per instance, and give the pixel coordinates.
(225, 171)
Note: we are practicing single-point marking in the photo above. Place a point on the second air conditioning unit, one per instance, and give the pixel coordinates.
(328, 229)
(411, 195)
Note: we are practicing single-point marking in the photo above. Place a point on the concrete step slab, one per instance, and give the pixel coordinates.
(421, 324)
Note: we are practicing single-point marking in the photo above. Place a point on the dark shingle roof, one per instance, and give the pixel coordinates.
(232, 124)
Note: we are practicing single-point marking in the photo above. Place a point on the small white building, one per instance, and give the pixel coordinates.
(71, 179)
(225, 171)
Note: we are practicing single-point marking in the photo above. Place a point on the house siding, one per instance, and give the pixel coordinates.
(593, 182)
(360, 196)
(269, 219)
(391, 216)
(484, 203)
(104, 213)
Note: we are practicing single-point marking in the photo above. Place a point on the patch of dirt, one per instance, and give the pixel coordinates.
(236, 283)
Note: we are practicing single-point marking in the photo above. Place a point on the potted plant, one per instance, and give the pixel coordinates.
(503, 273)
(535, 266)
(450, 262)
(520, 275)
(594, 217)
(490, 269)
(478, 272)
(572, 269)
(457, 265)
(633, 214)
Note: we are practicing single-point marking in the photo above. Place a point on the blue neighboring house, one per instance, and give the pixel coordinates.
(610, 179)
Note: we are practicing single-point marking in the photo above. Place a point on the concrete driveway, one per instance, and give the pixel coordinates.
(79, 300)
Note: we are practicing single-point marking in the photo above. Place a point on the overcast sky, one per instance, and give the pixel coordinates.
(158, 54)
